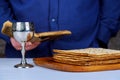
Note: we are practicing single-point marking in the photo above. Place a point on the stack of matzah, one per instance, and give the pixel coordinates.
(88, 56)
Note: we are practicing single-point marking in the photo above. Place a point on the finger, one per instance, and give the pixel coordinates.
(34, 45)
(15, 44)
(28, 44)
(18, 48)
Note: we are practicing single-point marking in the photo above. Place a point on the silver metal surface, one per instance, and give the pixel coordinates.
(21, 31)
(22, 26)
(23, 66)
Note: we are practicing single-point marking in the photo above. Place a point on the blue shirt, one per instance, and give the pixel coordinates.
(90, 21)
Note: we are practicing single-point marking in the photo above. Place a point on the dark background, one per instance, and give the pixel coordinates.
(114, 43)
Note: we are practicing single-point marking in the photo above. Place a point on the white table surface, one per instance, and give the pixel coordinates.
(8, 72)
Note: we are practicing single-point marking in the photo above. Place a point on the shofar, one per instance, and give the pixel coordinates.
(43, 36)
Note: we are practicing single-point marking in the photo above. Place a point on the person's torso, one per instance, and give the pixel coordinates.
(81, 17)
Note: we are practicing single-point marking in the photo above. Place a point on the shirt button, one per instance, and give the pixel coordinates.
(53, 20)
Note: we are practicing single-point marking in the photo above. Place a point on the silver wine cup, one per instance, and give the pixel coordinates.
(21, 31)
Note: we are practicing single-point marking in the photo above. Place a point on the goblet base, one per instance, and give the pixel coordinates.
(23, 66)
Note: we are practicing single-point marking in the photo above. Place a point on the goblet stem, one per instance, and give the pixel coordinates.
(23, 61)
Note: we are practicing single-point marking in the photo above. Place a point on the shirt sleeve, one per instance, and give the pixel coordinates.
(5, 14)
(109, 19)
